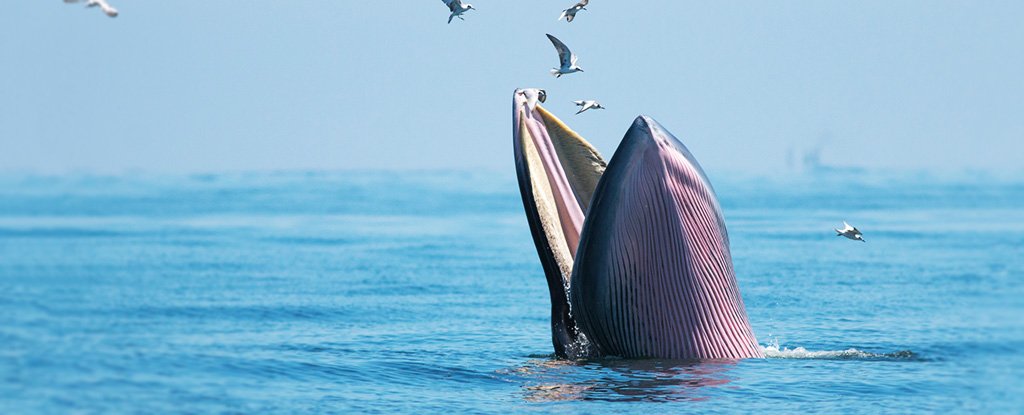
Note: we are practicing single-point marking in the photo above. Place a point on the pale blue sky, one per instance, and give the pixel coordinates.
(190, 86)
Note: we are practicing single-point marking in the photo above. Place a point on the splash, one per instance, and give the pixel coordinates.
(581, 349)
(774, 351)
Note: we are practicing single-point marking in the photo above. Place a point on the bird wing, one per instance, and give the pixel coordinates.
(847, 227)
(560, 17)
(452, 4)
(582, 4)
(565, 56)
(581, 102)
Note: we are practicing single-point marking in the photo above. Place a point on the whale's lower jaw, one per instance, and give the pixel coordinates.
(653, 274)
(638, 250)
(557, 171)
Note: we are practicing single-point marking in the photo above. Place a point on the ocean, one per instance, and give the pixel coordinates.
(421, 292)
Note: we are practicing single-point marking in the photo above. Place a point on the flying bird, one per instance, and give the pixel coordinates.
(103, 5)
(850, 232)
(566, 59)
(570, 13)
(457, 7)
(532, 96)
(588, 104)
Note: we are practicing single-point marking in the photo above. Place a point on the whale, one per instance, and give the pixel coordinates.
(635, 249)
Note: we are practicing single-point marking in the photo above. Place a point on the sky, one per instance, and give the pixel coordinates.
(219, 86)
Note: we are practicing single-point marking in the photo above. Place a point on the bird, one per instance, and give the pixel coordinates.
(533, 95)
(588, 104)
(103, 5)
(850, 232)
(457, 7)
(566, 59)
(570, 13)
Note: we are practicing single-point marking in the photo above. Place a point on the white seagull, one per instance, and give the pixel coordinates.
(850, 232)
(457, 7)
(533, 95)
(103, 5)
(570, 13)
(588, 104)
(566, 59)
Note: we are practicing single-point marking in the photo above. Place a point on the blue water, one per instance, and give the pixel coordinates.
(417, 292)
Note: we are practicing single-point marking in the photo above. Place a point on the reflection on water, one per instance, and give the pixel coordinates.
(621, 380)
(546, 378)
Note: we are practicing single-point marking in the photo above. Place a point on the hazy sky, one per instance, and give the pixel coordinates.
(190, 86)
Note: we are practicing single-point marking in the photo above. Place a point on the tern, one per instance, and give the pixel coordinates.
(850, 232)
(566, 59)
(570, 13)
(457, 7)
(103, 5)
(588, 104)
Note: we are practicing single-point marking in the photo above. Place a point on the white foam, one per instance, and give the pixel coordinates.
(773, 351)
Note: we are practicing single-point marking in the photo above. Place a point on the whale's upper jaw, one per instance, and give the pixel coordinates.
(557, 171)
(653, 274)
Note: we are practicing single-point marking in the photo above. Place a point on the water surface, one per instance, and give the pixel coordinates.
(421, 292)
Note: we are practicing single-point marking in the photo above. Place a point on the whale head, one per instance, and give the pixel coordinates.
(635, 251)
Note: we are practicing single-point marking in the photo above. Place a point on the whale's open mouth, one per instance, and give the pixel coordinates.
(558, 171)
(637, 246)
